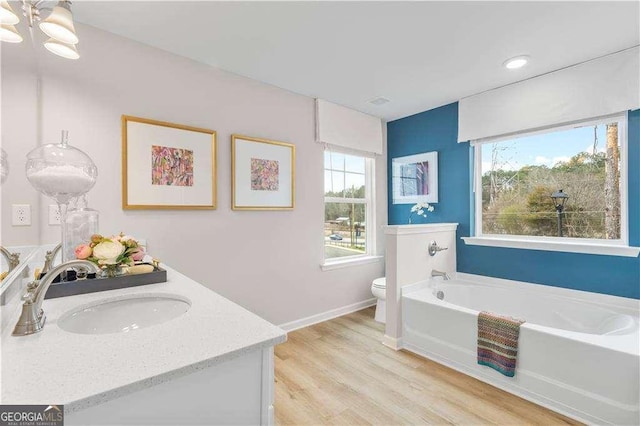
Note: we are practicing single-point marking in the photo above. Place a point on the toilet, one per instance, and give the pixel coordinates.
(379, 290)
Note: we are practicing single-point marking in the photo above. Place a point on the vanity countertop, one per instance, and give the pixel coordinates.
(81, 370)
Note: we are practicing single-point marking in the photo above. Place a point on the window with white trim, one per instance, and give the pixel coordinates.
(348, 206)
(515, 178)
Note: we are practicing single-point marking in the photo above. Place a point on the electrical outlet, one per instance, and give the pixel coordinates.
(21, 215)
(54, 214)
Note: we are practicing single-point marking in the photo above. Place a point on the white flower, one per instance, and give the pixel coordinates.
(419, 209)
(107, 252)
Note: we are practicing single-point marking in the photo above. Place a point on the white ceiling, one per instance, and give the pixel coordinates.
(420, 55)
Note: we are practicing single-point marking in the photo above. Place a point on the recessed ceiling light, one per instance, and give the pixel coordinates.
(516, 62)
(379, 101)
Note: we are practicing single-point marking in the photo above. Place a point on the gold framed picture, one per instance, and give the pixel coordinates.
(262, 174)
(167, 166)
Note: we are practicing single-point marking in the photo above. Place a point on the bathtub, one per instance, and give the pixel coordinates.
(579, 352)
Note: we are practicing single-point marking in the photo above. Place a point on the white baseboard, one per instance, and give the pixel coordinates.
(325, 316)
(392, 342)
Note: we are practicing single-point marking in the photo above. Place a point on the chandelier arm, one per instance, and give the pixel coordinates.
(31, 10)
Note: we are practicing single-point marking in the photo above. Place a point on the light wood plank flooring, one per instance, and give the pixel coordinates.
(338, 372)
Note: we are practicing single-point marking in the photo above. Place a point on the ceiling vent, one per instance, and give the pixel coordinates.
(379, 101)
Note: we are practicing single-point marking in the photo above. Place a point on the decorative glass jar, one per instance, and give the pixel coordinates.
(63, 173)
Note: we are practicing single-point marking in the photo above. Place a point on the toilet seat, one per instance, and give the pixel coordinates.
(380, 283)
(379, 291)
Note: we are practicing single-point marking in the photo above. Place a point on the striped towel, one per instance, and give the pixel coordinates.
(498, 342)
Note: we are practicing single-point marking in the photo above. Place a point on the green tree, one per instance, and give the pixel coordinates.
(511, 219)
(541, 212)
(519, 201)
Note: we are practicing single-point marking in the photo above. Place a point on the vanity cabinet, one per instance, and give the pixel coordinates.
(212, 364)
(236, 392)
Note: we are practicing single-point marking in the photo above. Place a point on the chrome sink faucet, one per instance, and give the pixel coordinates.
(435, 273)
(32, 317)
(49, 257)
(13, 259)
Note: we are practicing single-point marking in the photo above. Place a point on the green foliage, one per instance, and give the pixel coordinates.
(522, 203)
(511, 218)
(353, 211)
(347, 193)
(583, 162)
(541, 211)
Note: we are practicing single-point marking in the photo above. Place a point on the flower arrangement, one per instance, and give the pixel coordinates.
(419, 209)
(111, 253)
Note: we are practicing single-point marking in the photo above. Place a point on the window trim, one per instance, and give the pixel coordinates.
(345, 262)
(619, 247)
(370, 220)
(541, 243)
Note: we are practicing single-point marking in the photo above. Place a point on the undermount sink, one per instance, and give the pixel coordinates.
(124, 314)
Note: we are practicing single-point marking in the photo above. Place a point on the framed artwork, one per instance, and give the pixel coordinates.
(167, 166)
(262, 174)
(415, 178)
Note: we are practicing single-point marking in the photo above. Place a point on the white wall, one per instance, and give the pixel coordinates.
(19, 129)
(266, 261)
(408, 261)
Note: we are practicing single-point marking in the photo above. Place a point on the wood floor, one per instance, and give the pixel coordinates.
(338, 372)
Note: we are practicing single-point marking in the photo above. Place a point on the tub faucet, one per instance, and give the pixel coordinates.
(32, 317)
(444, 275)
(434, 248)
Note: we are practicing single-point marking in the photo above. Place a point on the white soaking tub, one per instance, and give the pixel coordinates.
(579, 352)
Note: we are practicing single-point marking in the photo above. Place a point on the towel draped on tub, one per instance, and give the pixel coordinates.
(498, 342)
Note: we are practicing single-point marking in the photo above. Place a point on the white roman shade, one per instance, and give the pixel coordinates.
(343, 127)
(597, 88)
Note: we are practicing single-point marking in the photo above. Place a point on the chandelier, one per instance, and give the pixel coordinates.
(58, 26)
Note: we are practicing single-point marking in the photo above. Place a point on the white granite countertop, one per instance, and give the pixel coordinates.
(80, 370)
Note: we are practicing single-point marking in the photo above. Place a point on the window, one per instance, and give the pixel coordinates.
(516, 177)
(348, 206)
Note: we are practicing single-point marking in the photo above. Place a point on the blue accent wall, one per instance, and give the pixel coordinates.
(437, 130)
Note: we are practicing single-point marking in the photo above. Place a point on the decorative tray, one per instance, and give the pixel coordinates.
(92, 285)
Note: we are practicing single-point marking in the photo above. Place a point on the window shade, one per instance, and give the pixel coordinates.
(600, 87)
(339, 126)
